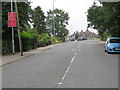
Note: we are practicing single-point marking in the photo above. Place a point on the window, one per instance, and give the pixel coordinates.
(115, 41)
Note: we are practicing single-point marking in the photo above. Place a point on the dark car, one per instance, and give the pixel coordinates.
(72, 39)
(84, 38)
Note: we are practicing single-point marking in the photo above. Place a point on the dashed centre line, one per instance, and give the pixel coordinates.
(61, 82)
(72, 59)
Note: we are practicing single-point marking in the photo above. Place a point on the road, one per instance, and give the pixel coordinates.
(76, 64)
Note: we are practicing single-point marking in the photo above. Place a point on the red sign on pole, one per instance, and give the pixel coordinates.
(11, 23)
(11, 15)
(11, 19)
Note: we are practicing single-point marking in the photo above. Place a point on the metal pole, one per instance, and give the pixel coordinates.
(18, 24)
(53, 20)
(13, 46)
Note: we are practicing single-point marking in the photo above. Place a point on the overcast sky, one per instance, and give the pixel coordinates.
(75, 8)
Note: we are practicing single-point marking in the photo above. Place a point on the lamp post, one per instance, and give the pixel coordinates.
(18, 24)
(53, 27)
(13, 45)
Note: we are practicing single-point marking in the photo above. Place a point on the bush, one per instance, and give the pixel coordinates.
(29, 41)
(105, 36)
(44, 39)
(6, 47)
(0, 46)
(55, 40)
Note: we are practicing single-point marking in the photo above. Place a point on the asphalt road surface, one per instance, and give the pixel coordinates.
(75, 64)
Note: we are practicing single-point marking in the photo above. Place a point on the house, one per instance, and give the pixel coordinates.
(88, 34)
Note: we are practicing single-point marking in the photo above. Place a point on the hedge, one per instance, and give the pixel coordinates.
(6, 47)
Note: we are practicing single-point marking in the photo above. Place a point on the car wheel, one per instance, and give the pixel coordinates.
(105, 51)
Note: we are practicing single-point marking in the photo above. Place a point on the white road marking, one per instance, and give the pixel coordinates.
(59, 85)
(61, 82)
(72, 59)
(73, 49)
(66, 73)
(75, 53)
(76, 50)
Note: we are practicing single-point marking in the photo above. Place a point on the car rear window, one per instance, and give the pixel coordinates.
(115, 41)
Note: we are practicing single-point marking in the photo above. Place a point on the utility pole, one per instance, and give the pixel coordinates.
(53, 20)
(13, 45)
(18, 25)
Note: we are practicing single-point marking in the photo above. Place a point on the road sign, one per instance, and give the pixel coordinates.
(11, 19)
(11, 23)
(11, 15)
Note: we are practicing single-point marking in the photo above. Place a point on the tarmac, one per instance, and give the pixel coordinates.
(6, 59)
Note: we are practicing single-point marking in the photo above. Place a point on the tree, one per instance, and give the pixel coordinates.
(38, 18)
(76, 35)
(59, 22)
(105, 18)
(23, 10)
(96, 18)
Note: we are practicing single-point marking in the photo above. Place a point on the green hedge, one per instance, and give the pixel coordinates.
(6, 47)
(29, 41)
(44, 40)
(0, 46)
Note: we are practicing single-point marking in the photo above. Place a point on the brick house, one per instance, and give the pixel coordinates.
(88, 34)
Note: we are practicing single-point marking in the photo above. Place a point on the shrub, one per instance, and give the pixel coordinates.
(44, 39)
(105, 36)
(29, 41)
(55, 40)
(6, 47)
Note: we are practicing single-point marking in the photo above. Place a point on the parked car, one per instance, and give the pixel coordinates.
(112, 45)
(79, 39)
(72, 39)
(84, 38)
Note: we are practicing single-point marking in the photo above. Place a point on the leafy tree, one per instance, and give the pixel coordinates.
(38, 18)
(23, 10)
(112, 13)
(59, 22)
(105, 18)
(44, 39)
(76, 35)
(96, 18)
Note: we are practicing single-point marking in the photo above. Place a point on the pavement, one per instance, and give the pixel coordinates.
(6, 59)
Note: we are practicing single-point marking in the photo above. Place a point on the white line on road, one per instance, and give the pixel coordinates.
(75, 53)
(73, 49)
(61, 82)
(66, 72)
(72, 59)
